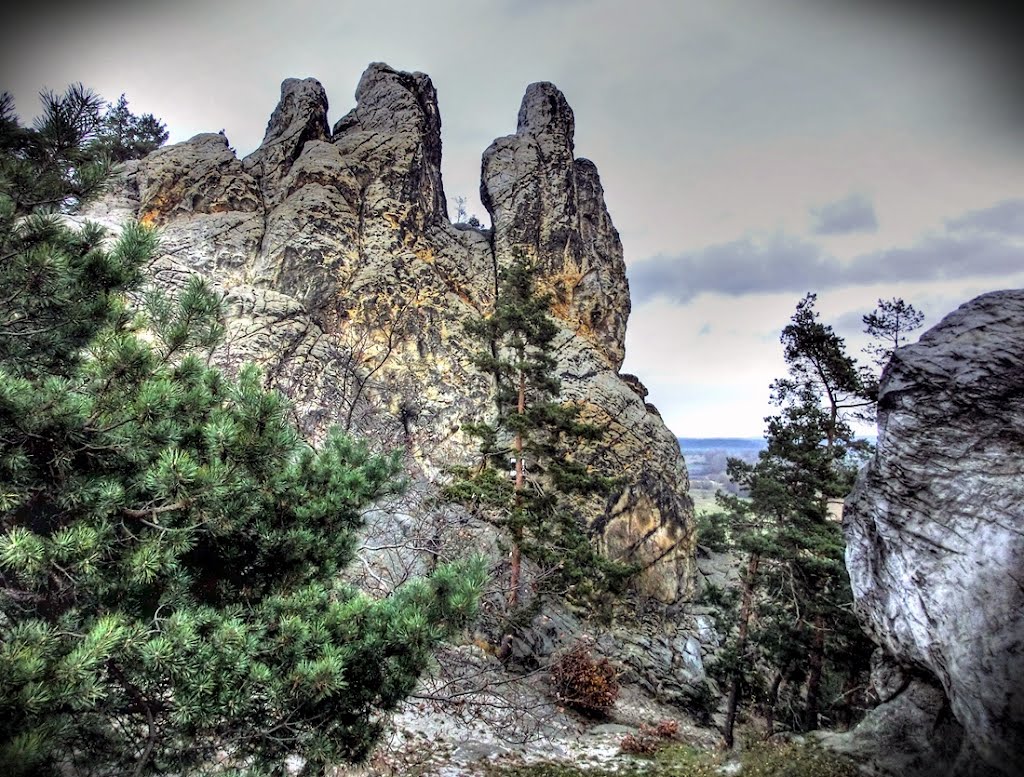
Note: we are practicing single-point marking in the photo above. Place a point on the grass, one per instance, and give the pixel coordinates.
(704, 499)
(790, 759)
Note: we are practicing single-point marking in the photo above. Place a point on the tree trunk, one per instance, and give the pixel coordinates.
(845, 713)
(516, 556)
(815, 660)
(773, 700)
(516, 562)
(746, 607)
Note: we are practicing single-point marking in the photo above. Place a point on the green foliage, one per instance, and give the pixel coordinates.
(541, 437)
(60, 286)
(797, 628)
(55, 164)
(889, 325)
(713, 531)
(169, 546)
(126, 136)
(64, 158)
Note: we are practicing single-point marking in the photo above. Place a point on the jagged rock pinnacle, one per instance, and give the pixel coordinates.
(350, 286)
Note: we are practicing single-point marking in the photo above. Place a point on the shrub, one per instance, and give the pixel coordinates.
(588, 684)
(713, 531)
(649, 739)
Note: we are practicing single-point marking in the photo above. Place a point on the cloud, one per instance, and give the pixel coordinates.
(854, 213)
(980, 243)
(1004, 218)
(745, 266)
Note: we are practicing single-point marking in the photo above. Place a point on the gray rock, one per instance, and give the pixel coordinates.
(612, 728)
(300, 116)
(935, 527)
(707, 634)
(661, 656)
(548, 205)
(912, 734)
(348, 284)
(201, 175)
(888, 677)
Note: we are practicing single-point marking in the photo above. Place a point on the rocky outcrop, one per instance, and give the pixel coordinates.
(911, 733)
(663, 657)
(935, 526)
(548, 205)
(349, 285)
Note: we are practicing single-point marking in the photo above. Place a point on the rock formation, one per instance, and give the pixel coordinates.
(349, 285)
(935, 529)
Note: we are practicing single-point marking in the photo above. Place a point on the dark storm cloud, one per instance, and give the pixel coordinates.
(977, 244)
(745, 266)
(854, 213)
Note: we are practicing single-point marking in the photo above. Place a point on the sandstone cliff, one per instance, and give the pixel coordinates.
(935, 532)
(349, 285)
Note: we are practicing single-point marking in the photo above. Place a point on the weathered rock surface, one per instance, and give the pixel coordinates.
(662, 657)
(935, 526)
(911, 733)
(550, 206)
(348, 284)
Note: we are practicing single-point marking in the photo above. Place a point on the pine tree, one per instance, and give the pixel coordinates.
(169, 546)
(889, 325)
(125, 136)
(794, 614)
(55, 164)
(529, 477)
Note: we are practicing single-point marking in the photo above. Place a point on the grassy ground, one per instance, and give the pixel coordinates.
(783, 760)
(704, 499)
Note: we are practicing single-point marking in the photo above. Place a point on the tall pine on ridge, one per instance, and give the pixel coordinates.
(528, 476)
(794, 614)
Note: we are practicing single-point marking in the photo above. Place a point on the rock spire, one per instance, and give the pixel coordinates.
(348, 283)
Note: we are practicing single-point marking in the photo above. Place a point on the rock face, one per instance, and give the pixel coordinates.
(911, 733)
(349, 285)
(935, 526)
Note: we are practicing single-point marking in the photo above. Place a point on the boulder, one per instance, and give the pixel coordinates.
(935, 525)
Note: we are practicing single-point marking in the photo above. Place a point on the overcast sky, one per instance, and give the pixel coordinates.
(750, 151)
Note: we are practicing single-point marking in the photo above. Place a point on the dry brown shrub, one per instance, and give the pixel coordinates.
(649, 739)
(586, 683)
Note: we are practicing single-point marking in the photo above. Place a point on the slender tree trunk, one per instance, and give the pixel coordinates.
(746, 608)
(845, 713)
(516, 555)
(816, 661)
(773, 699)
(517, 560)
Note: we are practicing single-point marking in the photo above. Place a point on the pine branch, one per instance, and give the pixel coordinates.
(153, 511)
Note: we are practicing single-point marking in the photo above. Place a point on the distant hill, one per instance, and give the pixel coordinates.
(706, 460)
(721, 443)
(708, 457)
